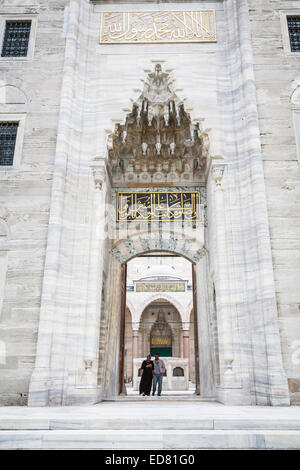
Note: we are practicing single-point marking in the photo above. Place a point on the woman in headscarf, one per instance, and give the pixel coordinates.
(147, 376)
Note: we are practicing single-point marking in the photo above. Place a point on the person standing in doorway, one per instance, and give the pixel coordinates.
(159, 370)
(146, 380)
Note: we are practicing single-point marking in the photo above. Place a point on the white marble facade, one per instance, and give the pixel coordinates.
(59, 324)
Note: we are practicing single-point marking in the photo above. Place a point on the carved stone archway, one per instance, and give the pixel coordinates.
(190, 248)
(194, 251)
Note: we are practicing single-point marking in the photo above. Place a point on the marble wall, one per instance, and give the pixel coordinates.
(76, 360)
(35, 86)
(275, 74)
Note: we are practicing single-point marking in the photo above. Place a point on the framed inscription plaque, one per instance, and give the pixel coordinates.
(174, 286)
(158, 206)
(157, 26)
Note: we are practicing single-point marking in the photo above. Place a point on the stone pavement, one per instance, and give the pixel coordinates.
(150, 424)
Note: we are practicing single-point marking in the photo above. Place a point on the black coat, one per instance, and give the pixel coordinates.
(146, 379)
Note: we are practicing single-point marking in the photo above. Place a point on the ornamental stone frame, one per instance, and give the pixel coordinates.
(69, 369)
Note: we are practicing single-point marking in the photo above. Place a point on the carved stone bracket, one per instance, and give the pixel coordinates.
(99, 172)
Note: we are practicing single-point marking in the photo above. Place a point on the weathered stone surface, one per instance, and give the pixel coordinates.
(175, 425)
(75, 92)
(25, 193)
(274, 73)
(294, 385)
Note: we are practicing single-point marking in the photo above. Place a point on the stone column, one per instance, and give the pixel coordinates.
(230, 391)
(202, 327)
(135, 335)
(221, 280)
(186, 347)
(186, 344)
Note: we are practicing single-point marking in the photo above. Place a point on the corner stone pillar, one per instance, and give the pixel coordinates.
(228, 379)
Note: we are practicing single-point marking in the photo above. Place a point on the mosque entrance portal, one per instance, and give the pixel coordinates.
(158, 158)
(160, 318)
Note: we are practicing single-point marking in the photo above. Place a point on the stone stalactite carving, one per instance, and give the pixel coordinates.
(158, 135)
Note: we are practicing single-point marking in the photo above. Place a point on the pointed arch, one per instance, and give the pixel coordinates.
(163, 296)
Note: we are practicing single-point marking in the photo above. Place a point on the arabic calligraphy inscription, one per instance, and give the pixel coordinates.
(158, 26)
(160, 287)
(156, 206)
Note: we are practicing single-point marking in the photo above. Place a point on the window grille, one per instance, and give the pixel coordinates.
(16, 38)
(8, 136)
(294, 32)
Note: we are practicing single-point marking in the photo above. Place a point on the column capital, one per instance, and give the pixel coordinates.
(135, 327)
(100, 171)
(217, 172)
(186, 327)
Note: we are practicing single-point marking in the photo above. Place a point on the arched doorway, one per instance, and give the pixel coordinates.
(160, 330)
(157, 315)
(163, 338)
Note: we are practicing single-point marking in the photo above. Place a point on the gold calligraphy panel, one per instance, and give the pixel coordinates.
(161, 340)
(158, 26)
(160, 287)
(158, 206)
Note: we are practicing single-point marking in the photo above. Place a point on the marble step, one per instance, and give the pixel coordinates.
(182, 398)
(154, 425)
(142, 423)
(147, 439)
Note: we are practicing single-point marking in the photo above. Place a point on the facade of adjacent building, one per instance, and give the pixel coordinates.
(149, 197)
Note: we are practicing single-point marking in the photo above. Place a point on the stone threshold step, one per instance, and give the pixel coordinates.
(161, 398)
(137, 439)
(140, 424)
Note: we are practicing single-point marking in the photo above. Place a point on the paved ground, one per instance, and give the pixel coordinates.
(159, 408)
(151, 424)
